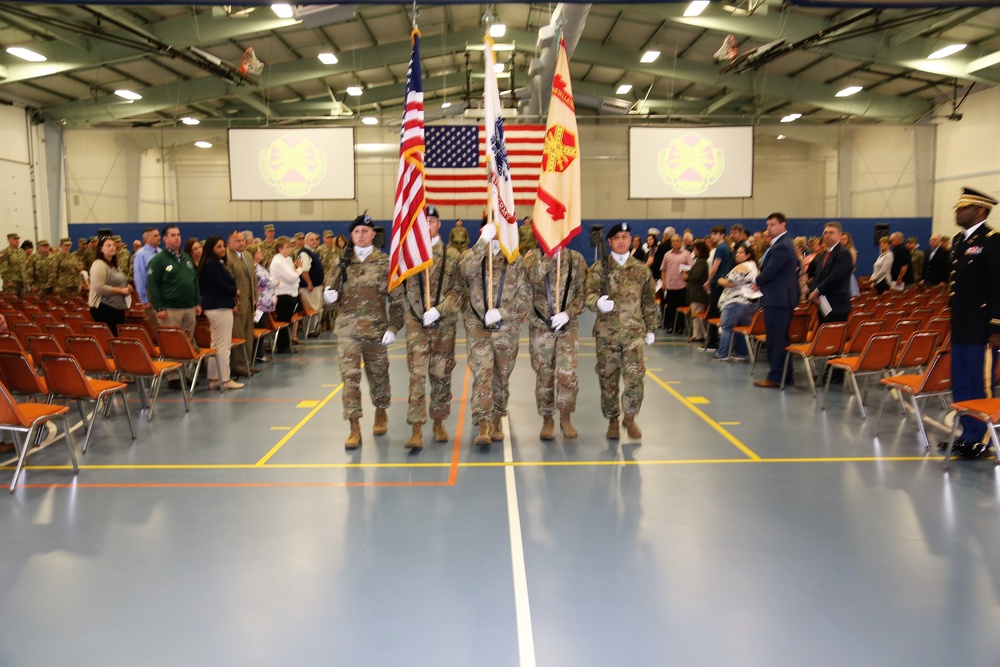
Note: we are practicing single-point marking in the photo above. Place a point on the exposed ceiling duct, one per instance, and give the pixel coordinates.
(570, 18)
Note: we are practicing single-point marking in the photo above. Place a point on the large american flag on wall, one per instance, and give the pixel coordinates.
(455, 164)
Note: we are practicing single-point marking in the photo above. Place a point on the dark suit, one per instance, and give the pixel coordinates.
(246, 283)
(901, 258)
(936, 267)
(975, 314)
(833, 280)
(779, 285)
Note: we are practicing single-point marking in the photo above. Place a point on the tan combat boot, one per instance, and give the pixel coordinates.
(548, 428)
(354, 439)
(496, 429)
(416, 440)
(440, 433)
(483, 438)
(381, 422)
(613, 432)
(631, 427)
(569, 431)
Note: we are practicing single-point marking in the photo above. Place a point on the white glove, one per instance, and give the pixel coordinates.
(605, 305)
(388, 338)
(431, 316)
(650, 337)
(489, 232)
(492, 317)
(559, 320)
(330, 295)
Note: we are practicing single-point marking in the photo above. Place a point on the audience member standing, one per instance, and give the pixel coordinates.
(12, 263)
(902, 269)
(672, 279)
(882, 269)
(719, 267)
(108, 287)
(937, 266)
(833, 277)
(779, 285)
(241, 267)
(285, 272)
(140, 267)
(219, 297)
(172, 284)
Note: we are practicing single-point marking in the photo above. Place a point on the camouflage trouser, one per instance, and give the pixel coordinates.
(429, 352)
(492, 355)
(14, 289)
(620, 359)
(554, 358)
(372, 352)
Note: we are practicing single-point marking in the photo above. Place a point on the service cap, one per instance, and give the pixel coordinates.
(972, 197)
(13, 235)
(268, 228)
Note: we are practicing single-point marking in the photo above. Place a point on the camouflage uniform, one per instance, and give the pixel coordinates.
(554, 354)
(267, 247)
(458, 239)
(526, 238)
(67, 277)
(40, 274)
(124, 261)
(620, 334)
(364, 289)
(431, 351)
(329, 257)
(12, 268)
(492, 353)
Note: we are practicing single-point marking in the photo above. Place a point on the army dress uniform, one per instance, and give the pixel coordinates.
(619, 334)
(430, 350)
(492, 349)
(40, 272)
(555, 352)
(975, 316)
(363, 287)
(13, 262)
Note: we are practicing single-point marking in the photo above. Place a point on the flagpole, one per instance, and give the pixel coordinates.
(558, 273)
(489, 246)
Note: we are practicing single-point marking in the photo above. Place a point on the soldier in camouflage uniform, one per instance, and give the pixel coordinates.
(459, 237)
(89, 254)
(493, 323)
(329, 255)
(267, 246)
(67, 276)
(554, 336)
(430, 335)
(123, 255)
(40, 271)
(360, 284)
(12, 265)
(621, 290)
(526, 237)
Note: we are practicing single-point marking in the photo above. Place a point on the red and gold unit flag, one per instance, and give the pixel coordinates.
(556, 218)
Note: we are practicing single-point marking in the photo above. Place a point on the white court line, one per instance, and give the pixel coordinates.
(522, 610)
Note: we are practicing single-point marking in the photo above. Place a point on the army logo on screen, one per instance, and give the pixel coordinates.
(293, 165)
(690, 164)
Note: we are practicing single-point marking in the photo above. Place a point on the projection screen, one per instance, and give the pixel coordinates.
(290, 164)
(690, 162)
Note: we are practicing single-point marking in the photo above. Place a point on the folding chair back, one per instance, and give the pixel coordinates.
(43, 344)
(139, 333)
(937, 377)
(131, 357)
(76, 322)
(203, 332)
(918, 350)
(43, 318)
(829, 339)
(100, 332)
(175, 344)
(798, 330)
(862, 335)
(59, 331)
(879, 354)
(88, 352)
(24, 329)
(20, 377)
(855, 319)
(10, 343)
(892, 317)
(942, 324)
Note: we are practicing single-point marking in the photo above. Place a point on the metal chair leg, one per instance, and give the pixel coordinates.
(920, 423)
(128, 415)
(69, 444)
(28, 438)
(951, 440)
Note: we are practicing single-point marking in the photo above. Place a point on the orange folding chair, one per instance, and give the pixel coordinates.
(917, 351)
(24, 329)
(176, 346)
(131, 358)
(59, 331)
(28, 418)
(203, 336)
(100, 332)
(21, 378)
(140, 334)
(749, 333)
(67, 381)
(76, 322)
(10, 343)
(43, 344)
(984, 409)
(877, 357)
(828, 342)
(88, 352)
(936, 381)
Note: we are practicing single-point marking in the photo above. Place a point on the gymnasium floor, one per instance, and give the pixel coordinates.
(747, 528)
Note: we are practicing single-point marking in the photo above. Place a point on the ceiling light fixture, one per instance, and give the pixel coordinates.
(791, 117)
(327, 58)
(498, 68)
(128, 95)
(850, 90)
(780, 137)
(190, 121)
(202, 144)
(445, 105)
(354, 90)
(649, 56)
(696, 8)
(946, 51)
(370, 120)
(498, 30)
(623, 89)
(26, 54)
(282, 11)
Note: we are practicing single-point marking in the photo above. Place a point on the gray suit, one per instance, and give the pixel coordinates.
(246, 282)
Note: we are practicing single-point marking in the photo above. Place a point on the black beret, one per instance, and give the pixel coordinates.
(363, 219)
(619, 227)
(432, 212)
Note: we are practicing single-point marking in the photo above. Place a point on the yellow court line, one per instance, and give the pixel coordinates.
(295, 429)
(708, 420)
(280, 428)
(482, 464)
(729, 423)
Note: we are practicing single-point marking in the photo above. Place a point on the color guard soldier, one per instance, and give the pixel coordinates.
(365, 328)
(621, 290)
(430, 335)
(975, 313)
(493, 323)
(554, 336)
(12, 264)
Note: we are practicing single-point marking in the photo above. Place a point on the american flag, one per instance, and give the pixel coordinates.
(456, 163)
(411, 243)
